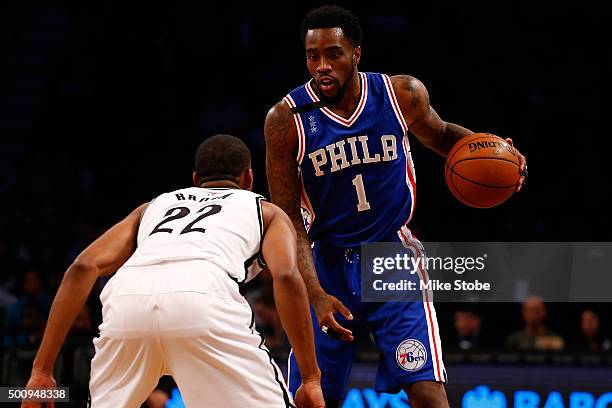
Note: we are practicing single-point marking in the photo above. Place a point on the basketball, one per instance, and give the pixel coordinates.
(482, 170)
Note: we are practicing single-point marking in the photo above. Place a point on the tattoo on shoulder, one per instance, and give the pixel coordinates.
(408, 83)
(277, 124)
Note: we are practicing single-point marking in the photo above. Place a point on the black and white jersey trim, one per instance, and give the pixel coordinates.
(256, 263)
(277, 377)
(260, 259)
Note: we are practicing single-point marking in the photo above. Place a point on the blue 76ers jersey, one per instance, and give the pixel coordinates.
(357, 175)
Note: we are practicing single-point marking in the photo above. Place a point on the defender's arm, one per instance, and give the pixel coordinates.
(103, 257)
(279, 251)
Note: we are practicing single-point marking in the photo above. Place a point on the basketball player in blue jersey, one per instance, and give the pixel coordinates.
(339, 164)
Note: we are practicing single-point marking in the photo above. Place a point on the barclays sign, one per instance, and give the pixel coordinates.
(483, 397)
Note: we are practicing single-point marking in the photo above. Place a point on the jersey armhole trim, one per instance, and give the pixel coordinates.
(300, 130)
(256, 262)
(260, 258)
(394, 103)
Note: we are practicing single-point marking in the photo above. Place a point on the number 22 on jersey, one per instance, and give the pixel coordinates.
(176, 213)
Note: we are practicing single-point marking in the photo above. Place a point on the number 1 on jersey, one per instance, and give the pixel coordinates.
(362, 200)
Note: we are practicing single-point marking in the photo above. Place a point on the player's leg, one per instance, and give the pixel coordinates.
(408, 337)
(127, 364)
(427, 394)
(411, 356)
(216, 356)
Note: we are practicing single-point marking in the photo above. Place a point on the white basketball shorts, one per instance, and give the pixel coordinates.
(207, 342)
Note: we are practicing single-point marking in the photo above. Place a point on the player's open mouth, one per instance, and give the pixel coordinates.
(326, 84)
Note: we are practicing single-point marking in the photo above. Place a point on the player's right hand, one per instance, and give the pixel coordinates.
(309, 395)
(325, 306)
(39, 379)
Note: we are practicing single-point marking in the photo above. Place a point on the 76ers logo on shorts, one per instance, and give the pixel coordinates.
(411, 355)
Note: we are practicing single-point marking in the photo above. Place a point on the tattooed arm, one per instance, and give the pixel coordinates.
(285, 191)
(426, 125)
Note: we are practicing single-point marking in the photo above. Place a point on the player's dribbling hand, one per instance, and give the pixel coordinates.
(309, 395)
(39, 379)
(325, 306)
(522, 167)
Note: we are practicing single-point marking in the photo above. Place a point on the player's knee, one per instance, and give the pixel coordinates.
(427, 394)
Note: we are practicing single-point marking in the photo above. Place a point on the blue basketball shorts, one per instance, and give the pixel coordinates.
(406, 333)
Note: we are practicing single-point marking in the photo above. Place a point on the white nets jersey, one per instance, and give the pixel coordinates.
(174, 308)
(185, 233)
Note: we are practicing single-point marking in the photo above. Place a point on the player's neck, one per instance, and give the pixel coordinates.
(348, 104)
(220, 183)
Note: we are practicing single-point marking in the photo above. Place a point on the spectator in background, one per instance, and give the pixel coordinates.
(6, 298)
(535, 335)
(161, 395)
(32, 290)
(81, 332)
(80, 336)
(9, 266)
(26, 331)
(590, 338)
(268, 321)
(468, 335)
(157, 399)
(25, 318)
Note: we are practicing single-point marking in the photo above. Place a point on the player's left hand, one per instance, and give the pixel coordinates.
(309, 395)
(39, 379)
(522, 167)
(325, 306)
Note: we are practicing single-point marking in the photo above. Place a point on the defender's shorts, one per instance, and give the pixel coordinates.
(207, 342)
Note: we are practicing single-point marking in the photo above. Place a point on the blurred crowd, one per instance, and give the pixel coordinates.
(25, 304)
(585, 334)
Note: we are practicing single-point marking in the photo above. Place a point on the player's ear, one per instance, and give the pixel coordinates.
(196, 179)
(248, 179)
(357, 55)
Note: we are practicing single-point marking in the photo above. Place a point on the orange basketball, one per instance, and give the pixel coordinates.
(482, 170)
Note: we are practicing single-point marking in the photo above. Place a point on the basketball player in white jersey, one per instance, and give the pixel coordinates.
(174, 305)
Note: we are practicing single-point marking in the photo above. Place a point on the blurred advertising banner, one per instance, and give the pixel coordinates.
(498, 386)
(490, 386)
